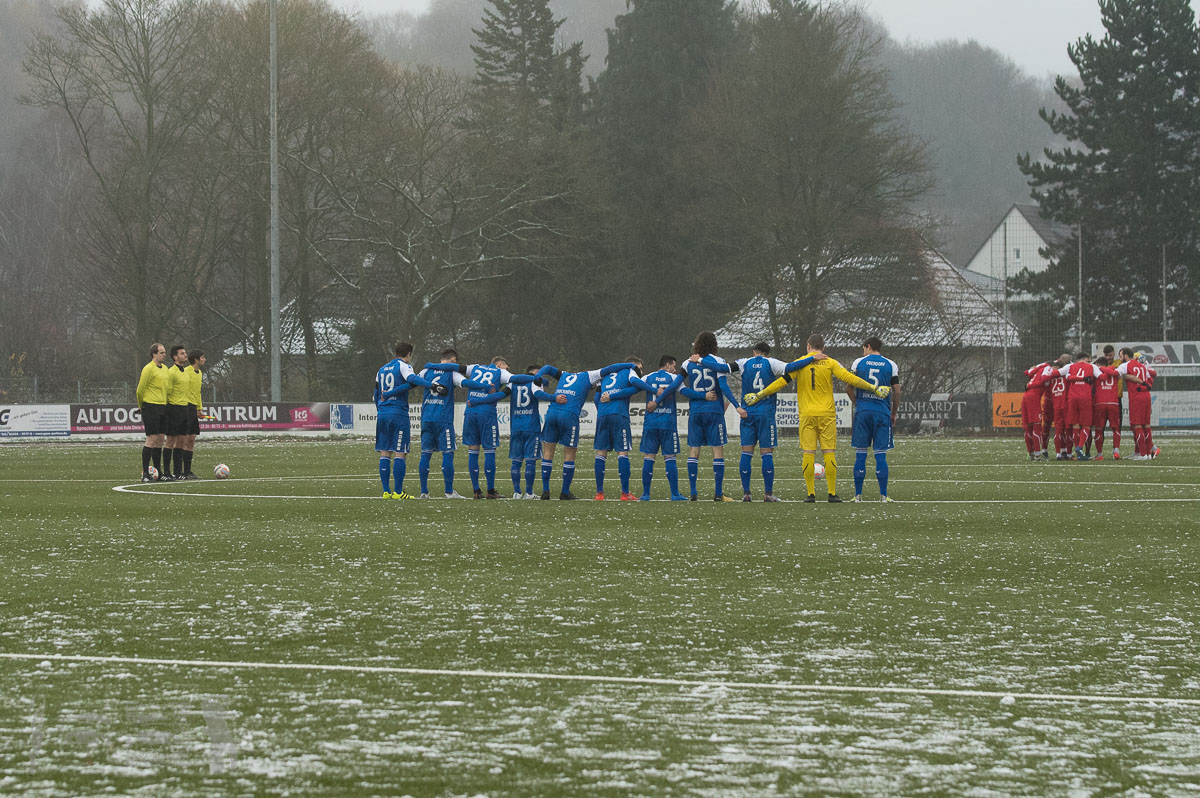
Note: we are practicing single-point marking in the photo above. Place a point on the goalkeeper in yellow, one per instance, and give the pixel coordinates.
(818, 418)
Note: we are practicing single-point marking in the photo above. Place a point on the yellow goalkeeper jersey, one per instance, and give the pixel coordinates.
(814, 386)
(195, 381)
(178, 386)
(152, 385)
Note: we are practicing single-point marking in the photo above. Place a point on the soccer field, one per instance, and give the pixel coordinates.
(1003, 628)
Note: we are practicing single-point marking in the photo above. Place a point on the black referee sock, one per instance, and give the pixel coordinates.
(187, 462)
(146, 454)
(179, 461)
(156, 454)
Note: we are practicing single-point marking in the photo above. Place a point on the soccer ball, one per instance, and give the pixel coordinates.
(221, 471)
(819, 470)
(153, 472)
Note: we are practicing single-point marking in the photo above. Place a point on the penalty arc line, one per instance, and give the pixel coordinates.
(647, 681)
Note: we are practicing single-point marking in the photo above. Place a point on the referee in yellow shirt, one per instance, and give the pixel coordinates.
(152, 399)
(195, 375)
(178, 389)
(818, 416)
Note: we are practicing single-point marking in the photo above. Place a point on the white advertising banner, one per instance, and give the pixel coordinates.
(1173, 358)
(35, 421)
(1173, 409)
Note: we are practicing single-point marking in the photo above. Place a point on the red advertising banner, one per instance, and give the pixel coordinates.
(225, 417)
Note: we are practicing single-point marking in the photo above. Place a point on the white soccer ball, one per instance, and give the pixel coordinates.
(153, 472)
(221, 471)
(819, 470)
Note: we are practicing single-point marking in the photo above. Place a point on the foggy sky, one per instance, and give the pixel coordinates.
(1033, 33)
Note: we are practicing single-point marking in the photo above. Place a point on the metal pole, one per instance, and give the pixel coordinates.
(1164, 292)
(1004, 332)
(1080, 287)
(275, 342)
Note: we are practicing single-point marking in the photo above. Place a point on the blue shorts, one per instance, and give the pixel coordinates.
(437, 437)
(524, 446)
(612, 434)
(660, 440)
(873, 430)
(707, 429)
(392, 432)
(481, 430)
(561, 428)
(760, 431)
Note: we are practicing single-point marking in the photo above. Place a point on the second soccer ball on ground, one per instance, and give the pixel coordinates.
(819, 470)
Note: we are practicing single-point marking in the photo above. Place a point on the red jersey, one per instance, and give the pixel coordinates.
(1108, 389)
(1140, 370)
(1040, 377)
(1080, 377)
(1058, 390)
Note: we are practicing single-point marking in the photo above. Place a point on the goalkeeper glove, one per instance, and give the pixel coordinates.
(439, 390)
(882, 391)
(750, 399)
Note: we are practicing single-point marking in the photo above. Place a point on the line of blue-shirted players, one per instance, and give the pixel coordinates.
(532, 437)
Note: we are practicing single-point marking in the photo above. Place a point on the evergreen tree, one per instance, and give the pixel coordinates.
(1129, 176)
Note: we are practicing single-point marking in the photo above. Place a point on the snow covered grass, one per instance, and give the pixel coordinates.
(1093, 594)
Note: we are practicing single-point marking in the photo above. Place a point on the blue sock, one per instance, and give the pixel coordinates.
(601, 466)
(881, 471)
(768, 469)
(719, 475)
(693, 466)
(473, 467)
(530, 469)
(623, 470)
(385, 473)
(489, 468)
(745, 465)
(672, 475)
(647, 475)
(568, 475)
(515, 473)
(860, 471)
(399, 469)
(423, 470)
(448, 470)
(547, 467)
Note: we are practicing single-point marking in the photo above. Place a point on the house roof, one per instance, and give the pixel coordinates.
(1050, 231)
(952, 312)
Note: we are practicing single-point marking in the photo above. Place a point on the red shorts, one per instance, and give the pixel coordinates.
(1031, 409)
(1079, 411)
(1058, 412)
(1106, 413)
(1139, 409)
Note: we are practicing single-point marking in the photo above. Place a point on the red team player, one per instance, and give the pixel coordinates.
(1142, 376)
(1055, 411)
(1080, 375)
(1032, 413)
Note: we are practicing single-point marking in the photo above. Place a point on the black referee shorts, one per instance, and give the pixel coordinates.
(154, 419)
(177, 423)
(193, 421)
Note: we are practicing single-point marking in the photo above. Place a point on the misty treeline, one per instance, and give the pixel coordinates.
(514, 196)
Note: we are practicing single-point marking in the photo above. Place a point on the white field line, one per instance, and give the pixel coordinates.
(650, 681)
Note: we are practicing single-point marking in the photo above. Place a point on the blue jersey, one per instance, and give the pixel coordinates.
(757, 373)
(703, 378)
(877, 370)
(615, 382)
(491, 376)
(390, 376)
(663, 416)
(575, 386)
(440, 409)
(523, 410)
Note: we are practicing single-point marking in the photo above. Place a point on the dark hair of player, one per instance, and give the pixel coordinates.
(1108, 349)
(404, 349)
(816, 341)
(1081, 356)
(706, 344)
(762, 348)
(532, 369)
(1126, 351)
(154, 349)
(194, 355)
(874, 342)
(498, 359)
(450, 352)
(177, 349)
(665, 360)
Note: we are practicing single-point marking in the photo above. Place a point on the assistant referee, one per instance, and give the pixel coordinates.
(152, 399)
